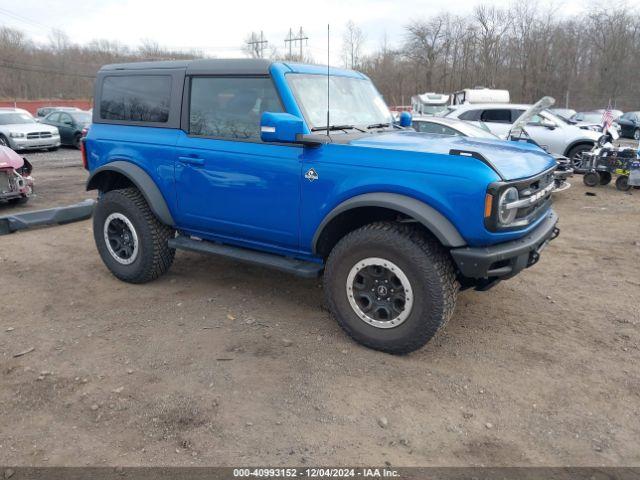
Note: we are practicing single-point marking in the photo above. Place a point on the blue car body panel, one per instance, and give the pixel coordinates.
(255, 194)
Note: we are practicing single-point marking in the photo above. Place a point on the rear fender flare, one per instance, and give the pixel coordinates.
(143, 182)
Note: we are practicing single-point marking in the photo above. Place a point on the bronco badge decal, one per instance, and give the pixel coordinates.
(311, 175)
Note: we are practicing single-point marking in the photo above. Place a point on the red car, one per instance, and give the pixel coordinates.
(16, 183)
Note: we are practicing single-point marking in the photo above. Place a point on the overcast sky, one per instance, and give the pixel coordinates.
(219, 28)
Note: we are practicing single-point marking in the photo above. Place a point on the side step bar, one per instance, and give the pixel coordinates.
(50, 216)
(285, 264)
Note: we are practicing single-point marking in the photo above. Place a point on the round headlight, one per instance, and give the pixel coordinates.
(507, 215)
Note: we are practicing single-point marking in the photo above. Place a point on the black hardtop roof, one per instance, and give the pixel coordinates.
(220, 66)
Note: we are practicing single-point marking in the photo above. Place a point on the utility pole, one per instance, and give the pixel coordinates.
(291, 40)
(257, 45)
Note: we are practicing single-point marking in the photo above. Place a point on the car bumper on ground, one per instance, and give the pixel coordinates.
(505, 260)
(35, 143)
(51, 216)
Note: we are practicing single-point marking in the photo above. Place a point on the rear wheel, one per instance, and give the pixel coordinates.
(591, 179)
(605, 178)
(577, 158)
(390, 287)
(622, 183)
(77, 138)
(131, 240)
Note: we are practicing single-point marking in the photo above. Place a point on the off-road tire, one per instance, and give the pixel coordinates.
(154, 256)
(578, 149)
(622, 183)
(605, 178)
(591, 179)
(426, 265)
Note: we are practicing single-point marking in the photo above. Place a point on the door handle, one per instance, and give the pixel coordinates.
(195, 161)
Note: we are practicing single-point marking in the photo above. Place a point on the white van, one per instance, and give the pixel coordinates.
(480, 95)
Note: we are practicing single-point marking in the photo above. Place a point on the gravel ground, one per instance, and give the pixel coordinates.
(218, 363)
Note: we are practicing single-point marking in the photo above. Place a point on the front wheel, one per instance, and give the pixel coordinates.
(636, 134)
(390, 287)
(131, 240)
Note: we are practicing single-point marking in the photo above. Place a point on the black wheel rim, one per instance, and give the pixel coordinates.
(379, 292)
(121, 238)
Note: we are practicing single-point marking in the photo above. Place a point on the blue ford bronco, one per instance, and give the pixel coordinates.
(248, 159)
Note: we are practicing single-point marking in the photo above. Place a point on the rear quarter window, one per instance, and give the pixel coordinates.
(136, 98)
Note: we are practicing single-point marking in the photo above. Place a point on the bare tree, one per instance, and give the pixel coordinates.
(352, 42)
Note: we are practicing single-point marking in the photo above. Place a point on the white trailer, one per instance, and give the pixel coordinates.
(429, 103)
(480, 95)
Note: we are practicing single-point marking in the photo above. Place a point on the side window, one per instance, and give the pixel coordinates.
(230, 107)
(65, 118)
(498, 115)
(471, 115)
(136, 98)
(54, 117)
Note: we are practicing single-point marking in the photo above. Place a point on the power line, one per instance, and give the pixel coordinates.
(291, 40)
(20, 18)
(258, 45)
(36, 69)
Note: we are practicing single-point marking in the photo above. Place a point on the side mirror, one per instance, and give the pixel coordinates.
(280, 127)
(405, 119)
(548, 124)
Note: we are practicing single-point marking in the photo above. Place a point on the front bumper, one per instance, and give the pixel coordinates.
(505, 260)
(34, 143)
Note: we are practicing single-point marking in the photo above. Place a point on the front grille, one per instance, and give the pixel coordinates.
(534, 198)
(539, 188)
(35, 135)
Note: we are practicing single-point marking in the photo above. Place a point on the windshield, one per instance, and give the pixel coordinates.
(15, 118)
(354, 101)
(587, 117)
(81, 117)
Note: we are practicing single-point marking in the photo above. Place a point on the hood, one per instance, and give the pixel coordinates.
(532, 111)
(10, 159)
(29, 128)
(511, 160)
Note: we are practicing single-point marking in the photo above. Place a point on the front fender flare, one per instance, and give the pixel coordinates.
(143, 182)
(426, 215)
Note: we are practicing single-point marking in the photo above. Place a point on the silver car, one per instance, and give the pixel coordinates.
(20, 131)
(548, 130)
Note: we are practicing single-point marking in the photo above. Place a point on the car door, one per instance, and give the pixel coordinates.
(66, 128)
(230, 185)
(554, 139)
(498, 120)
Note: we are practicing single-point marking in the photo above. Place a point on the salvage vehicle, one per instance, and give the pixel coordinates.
(302, 169)
(20, 131)
(69, 124)
(44, 111)
(548, 130)
(16, 182)
(629, 124)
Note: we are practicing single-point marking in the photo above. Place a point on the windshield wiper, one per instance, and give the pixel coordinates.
(332, 128)
(379, 125)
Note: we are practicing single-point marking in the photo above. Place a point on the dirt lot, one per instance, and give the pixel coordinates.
(223, 364)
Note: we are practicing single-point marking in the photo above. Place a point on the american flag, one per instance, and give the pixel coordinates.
(607, 118)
